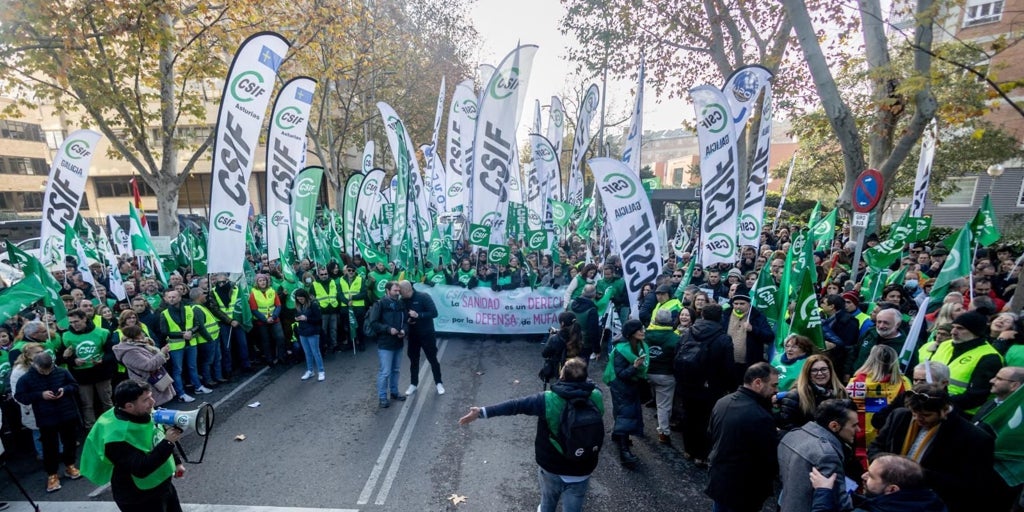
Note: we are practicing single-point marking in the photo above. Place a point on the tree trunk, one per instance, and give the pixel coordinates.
(167, 201)
(167, 206)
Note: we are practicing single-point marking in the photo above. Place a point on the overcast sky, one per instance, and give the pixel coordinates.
(502, 24)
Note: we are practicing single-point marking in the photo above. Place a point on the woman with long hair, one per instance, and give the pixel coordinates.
(873, 386)
(562, 345)
(700, 299)
(687, 316)
(944, 317)
(625, 375)
(307, 317)
(816, 383)
(145, 362)
(18, 370)
(1003, 331)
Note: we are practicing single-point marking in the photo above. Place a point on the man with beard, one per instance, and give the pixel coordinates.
(890, 483)
(885, 332)
(750, 333)
(387, 321)
(224, 305)
(818, 445)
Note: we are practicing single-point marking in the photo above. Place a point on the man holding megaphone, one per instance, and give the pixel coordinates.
(126, 448)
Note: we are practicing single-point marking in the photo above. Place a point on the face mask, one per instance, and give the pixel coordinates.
(309, 280)
(911, 283)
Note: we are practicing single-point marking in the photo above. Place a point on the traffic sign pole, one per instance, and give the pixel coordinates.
(867, 190)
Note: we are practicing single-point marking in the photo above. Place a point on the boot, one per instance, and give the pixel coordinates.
(626, 456)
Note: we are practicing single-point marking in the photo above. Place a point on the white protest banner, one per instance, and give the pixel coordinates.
(474, 310)
(494, 144)
(580, 142)
(741, 91)
(368, 157)
(719, 176)
(305, 190)
(461, 126)
(286, 155)
(631, 153)
(752, 216)
(924, 169)
(367, 205)
(65, 188)
(631, 221)
(546, 162)
(555, 133)
(243, 106)
(349, 211)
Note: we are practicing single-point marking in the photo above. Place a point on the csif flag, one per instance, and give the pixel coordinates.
(631, 153)
(957, 265)
(984, 227)
(350, 208)
(806, 315)
(65, 188)
(580, 142)
(461, 125)
(752, 218)
(719, 176)
(305, 191)
(286, 155)
(243, 106)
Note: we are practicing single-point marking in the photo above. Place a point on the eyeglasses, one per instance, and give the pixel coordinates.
(819, 370)
(680, 276)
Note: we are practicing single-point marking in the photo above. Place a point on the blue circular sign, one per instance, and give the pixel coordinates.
(867, 190)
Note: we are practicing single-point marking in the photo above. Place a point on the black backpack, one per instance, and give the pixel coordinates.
(369, 331)
(690, 362)
(580, 431)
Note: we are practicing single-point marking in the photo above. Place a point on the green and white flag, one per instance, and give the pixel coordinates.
(17, 298)
(1008, 422)
(815, 214)
(719, 176)
(561, 212)
(765, 296)
(65, 189)
(247, 91)
(114, 277)
(580, 142)
(479, 235)
(405, 196)
(41, 277)
(906, 230)
(824, 231)
(984, 226)
(497, 254)
(305, 191)
(142, 246)
(807, 316)
(75, 248)
(119, 236)
(367, 206)
(536, 240)
(371, 254)
(957, 265)
(350, 208)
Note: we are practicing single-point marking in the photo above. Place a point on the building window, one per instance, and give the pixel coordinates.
(119, 187)
(33, 201)
(963, 193)
(20, 131)
(21, 165)
(54, 138)
(979, 12)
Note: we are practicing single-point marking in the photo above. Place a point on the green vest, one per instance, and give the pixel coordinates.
(229, 312)
(351, 290)
(173, 326)
(623, 349)
(88, 346)
(212, 325)
(108, 429)
(464, 276)
(961, 369)
(326, 297)
(553, 406)
(1015, 356)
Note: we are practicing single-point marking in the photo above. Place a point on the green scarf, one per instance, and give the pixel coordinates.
(623, 349)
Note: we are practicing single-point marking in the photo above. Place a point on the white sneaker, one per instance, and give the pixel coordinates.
(440, 388)
(203, 390)
(320, 376)
(411, 389)
(307, 375)
(186, 398)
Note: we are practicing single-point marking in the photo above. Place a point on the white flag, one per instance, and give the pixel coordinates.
(368, 157)
(719, 176)
(65, 188)
(119, 236)
(634, 137)
(924, 169)
(461, 127)
(580, 143)
(752, 216)
(286, 156)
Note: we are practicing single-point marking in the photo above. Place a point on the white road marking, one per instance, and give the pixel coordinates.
(385, 452)
(100, 506)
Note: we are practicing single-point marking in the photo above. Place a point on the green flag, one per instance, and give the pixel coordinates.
(1006, 420)
(142, 245)
(35, 272)
(781, 325)
(17, 298)
(815, 214)
(479, 234)
(806, 315)
(957, 265)
(765, 295)
(497, 254)
(371, 254)
(536, 240)
(561, 212)
(906, 230)
(824, 231)
(439, 250)
(897, 277)
(984, 226)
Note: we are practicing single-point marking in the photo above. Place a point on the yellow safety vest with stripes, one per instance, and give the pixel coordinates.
(326, 298)
(212, 325)
(172, 326)
(351, 290)
(671, 305)
(229, 312)
(265, 301)
(961, 369)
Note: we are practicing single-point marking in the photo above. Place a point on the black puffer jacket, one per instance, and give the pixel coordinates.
(49, 413)
(385, 314)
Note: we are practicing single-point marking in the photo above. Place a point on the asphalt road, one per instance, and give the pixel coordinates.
(327, 446)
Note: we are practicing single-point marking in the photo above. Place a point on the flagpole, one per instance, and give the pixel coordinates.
(785, 189)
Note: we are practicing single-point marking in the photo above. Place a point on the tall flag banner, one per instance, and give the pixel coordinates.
(580, 142)
(545, 163)
(1007, 420)
(924, 169)
(983, 226)
(367, 205)
(957, 265)
(65, 188)
(824, 231)
(719, 176)
(115, 279)
(305, 191)
(806, 315)
(119, 236)
(742, 89)
(555, 133)
(752, 218)
(461, 126)
(243, 106)
(435, 169)
(765, 296)
(137, 197)
(74, 247)
(494, 146)
(368, 150)
(286, 155)
(142, 246)
(631, 153)
(353, 186)
(631, 221)
(40, 279)
(405, 196)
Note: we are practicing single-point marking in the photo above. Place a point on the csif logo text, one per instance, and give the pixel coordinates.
(247, 86)
(502, 87)
(289, 118)
(498, 253)
(225, 221)
(537, 239)
(77, 149)
(304, 188)
(619, 186)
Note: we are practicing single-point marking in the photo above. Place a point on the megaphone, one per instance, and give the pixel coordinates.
(200, 420)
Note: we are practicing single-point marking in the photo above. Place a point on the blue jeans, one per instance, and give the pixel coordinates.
(209, 361)
(552, 488)
(311, 347)
(390, 364)
(329, 324)
(187, 356)
(233, 337)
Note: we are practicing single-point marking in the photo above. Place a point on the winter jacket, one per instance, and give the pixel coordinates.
(662, 344)
(143, 361)
(759, 336)
(790, 414)
(717, 357)
(586, 316)
(385, 314)
(917, 500)
(744, 460)
(422, 327)
(810, 446)
(49, 413)
(311, 325)
(545, 453)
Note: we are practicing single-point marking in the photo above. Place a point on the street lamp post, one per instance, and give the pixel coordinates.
(994, 171)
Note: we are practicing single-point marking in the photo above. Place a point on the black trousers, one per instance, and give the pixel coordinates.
(53, 438)
(165, 503)
(429, 346)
